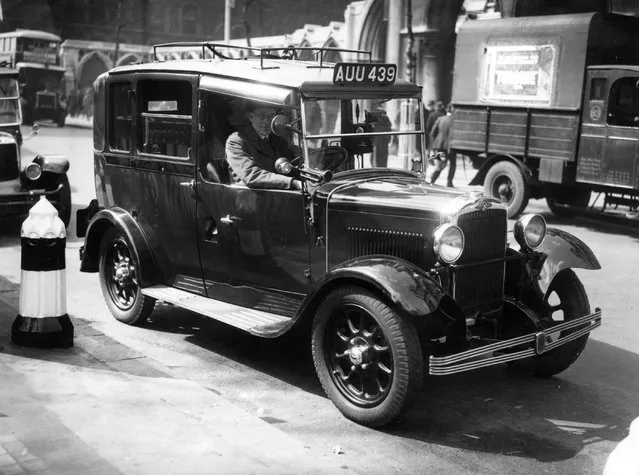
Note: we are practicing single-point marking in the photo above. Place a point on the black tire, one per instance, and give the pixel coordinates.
(119, 272)
(368, 358)
(506, 182)
(61, 120)
(573, 301)
(64, 207)
(574, 199)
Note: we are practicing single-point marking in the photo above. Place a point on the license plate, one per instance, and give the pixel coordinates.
(364, 74)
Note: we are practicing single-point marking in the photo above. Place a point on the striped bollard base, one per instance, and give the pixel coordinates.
(43, 320)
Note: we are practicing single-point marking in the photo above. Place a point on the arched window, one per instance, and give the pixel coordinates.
(189, 20)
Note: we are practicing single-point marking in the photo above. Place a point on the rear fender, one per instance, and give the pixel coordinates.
(562, 250)
(118, 218)
(480, 176)
(410, 290)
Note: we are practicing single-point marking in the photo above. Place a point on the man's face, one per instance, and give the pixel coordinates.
(261, 120)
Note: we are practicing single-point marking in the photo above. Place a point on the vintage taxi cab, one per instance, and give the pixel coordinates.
(45, 175)
(394, 278)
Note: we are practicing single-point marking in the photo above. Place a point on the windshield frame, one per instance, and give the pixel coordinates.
(406, 128)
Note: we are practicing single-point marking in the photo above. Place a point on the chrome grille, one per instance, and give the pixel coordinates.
(481, 287)
(367, 241)
(9, 167)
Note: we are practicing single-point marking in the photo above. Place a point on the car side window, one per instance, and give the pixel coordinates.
(216, 127)
(121, 121)
(165, 118)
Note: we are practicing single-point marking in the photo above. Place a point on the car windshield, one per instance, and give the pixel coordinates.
(9, 101)
(382, 132)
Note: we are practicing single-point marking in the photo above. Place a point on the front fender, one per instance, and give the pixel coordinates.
(57, 164)
(412, 290)
(562, 251)
(101, 222)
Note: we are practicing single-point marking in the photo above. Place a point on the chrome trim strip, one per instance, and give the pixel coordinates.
(484, 356)
(617, 137)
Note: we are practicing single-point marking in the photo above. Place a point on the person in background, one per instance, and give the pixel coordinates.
(440, 140)
(381, 142)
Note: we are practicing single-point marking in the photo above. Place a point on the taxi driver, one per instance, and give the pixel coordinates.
(252, 151)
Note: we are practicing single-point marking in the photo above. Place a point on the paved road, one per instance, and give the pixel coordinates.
(489, 421)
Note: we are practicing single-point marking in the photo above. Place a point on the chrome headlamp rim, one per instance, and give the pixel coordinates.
(523, 227)
(439, 234)
(33, 176)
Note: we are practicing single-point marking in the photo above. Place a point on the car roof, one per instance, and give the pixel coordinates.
(35, 34)
(305, 76)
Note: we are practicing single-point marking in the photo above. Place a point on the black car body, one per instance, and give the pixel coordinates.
(395, 277)
(45, 175)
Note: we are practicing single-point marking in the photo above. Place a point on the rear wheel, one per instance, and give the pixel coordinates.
(506, 182)
(119, 274)
(367, 357)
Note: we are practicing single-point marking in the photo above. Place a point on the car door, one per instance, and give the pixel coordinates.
(165, 167)
(609, 142)
(252, 242)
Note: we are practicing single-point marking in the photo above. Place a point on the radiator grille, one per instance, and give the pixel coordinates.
(9, 168)
(485, 234)
(405, 245)
(481, 287)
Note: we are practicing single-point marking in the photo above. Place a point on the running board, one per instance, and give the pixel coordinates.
(253, 321)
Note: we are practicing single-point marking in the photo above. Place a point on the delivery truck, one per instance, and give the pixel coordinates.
(548, 107)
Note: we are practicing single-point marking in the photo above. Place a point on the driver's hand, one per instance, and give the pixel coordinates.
(296, 185)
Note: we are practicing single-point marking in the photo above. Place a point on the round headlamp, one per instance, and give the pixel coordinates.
(448, 243)
(33, 171)
(530, 231)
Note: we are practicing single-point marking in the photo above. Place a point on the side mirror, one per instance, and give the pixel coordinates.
(280, 126)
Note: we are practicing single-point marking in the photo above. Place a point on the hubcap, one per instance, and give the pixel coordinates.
(358, 355)
(121, 276)
(504, 189)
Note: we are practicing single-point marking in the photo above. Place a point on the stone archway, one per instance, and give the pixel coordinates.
(373, 34)
(332, 56)
(128, 59)
(90, 67)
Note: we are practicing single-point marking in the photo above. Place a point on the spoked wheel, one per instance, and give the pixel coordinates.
(566, 300)
(506, 182)
(368, 359)
(119, 272)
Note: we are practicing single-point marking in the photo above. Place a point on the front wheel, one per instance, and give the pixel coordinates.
(119, 273)
(368, 358)
(506, 182)
(565, 300)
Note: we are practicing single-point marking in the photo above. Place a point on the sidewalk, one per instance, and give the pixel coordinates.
(79, 121)
(102, 408)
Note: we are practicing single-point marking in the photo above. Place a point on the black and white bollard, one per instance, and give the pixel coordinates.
(43, 319)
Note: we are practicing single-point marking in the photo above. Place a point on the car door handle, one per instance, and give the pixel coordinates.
(228, 220)
(188, 184)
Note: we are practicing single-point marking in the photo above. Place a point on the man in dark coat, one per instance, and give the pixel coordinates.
(252, 151)
(440, 144)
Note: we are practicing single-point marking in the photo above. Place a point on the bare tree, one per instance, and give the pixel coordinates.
(126, 13)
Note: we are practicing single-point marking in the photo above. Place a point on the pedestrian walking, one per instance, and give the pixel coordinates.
(440, 140)
(381, 142)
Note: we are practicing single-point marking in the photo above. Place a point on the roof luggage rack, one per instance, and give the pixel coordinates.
(283, 52)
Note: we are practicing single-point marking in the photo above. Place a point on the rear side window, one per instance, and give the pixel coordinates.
(121, 123)
(166, 118)
(98, 114)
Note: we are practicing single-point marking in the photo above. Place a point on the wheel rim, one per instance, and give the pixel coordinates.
(504, 189)
(558, 311)
(121, 276)
(359, 358)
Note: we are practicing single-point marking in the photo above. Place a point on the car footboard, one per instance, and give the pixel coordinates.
(537, 343)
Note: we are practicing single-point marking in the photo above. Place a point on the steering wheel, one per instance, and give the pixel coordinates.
(328, 158)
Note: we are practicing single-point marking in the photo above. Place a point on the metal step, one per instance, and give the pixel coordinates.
(253, 321)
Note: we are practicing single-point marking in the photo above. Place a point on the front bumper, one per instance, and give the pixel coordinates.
(531, 345)
(22, 201)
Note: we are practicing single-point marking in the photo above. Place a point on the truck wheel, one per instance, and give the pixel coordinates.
(119, 271)
(367, 358)
(506, 182)
(64, 208)
(564, 207)
(567, 299)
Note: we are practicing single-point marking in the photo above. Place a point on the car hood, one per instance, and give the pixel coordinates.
(397, 194)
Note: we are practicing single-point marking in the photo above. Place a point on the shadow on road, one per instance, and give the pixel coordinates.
(493, 410)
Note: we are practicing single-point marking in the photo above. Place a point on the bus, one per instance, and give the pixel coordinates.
(36, 56)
